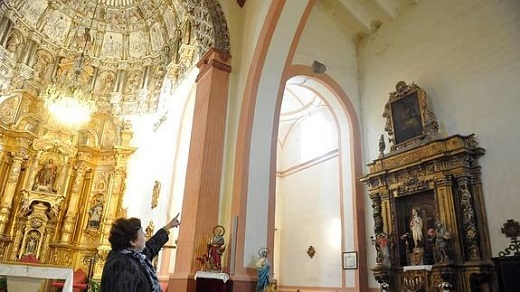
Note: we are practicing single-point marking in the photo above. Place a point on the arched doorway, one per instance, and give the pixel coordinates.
(314, 217)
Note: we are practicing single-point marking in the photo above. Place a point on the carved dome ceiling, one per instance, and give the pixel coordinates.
(132, 31)
(132, 47)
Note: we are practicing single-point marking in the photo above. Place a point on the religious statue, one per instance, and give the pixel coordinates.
(32, 243)
(442, 242)
(383, 243)
(382, 146)
(416, 226)
(108, 83)
(46, 177)
(95, 213)
(155, 193)
(216, 248)
(25, 202)
(41, 66)
(263, 268)
(13, 42)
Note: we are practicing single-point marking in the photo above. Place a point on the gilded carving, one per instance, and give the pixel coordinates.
(14, 41)
(155, 193)
(8, 109)
(468, 220)
(46, 177)
(96, 212)
(439, 175)
(42, 64)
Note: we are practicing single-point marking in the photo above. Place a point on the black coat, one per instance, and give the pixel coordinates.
(123, 273)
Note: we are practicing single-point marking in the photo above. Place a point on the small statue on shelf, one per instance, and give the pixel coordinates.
(212, 260)
(442, 243)
(216, 248)
(382, 146)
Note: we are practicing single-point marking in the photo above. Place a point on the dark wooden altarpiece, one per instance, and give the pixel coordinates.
(439, 177)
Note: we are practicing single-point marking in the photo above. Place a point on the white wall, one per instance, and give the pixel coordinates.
(310, 216)
(161, 155)
(323, 41)
(466, 55)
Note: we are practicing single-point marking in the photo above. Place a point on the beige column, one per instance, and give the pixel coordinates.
(72, 211)
(12, 180)
(200, 208)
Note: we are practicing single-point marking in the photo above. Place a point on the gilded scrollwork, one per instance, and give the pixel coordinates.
(8, 110)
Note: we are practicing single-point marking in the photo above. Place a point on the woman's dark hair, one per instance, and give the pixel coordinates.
(123, 231)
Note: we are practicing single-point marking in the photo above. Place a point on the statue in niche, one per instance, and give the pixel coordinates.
(32, 242)
(41, 66)
(132, 83)
(442, 242)
(155, 193)
(108, 83)
(416, 226)
(46, 177)
(158, 75)
(95, 213)
(13, 42)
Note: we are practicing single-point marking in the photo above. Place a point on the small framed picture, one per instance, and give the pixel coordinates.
(349, 260)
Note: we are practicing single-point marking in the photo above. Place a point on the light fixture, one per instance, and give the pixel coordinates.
(69, 98)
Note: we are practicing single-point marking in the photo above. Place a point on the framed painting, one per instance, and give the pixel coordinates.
(407, 117)
(349, 260)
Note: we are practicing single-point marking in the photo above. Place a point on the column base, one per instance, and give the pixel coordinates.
(187, 284)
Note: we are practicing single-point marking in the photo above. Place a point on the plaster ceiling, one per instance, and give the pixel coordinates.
(359, 18)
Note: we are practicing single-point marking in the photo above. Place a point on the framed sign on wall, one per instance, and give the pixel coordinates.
(349, 260)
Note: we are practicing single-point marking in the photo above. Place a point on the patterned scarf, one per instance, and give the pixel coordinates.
(147, 265)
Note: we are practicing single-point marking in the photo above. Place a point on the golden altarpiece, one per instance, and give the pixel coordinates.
(430, 229)
(60, 188)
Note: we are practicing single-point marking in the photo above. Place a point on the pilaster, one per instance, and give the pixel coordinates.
(200, 205)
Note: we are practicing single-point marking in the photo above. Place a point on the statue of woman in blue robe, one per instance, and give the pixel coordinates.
(263, 268)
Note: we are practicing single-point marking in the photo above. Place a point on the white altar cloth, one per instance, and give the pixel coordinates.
(419, 267)
(212, 275)
(36, 271)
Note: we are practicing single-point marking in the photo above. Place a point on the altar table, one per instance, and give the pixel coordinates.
(28, 276)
